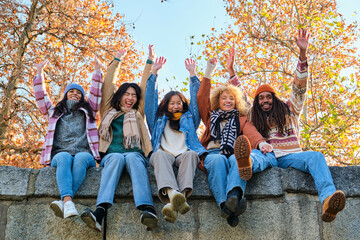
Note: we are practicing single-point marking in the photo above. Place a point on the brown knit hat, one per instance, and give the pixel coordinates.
(265, 88)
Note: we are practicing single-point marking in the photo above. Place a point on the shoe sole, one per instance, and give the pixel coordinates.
(336, 204)
(170, 214)
(150, 221)
(57, 210)
(184, 208)
(88, 219)
(242, 150)
(177, 200)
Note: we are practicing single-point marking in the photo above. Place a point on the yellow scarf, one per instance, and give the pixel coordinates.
(177, 116)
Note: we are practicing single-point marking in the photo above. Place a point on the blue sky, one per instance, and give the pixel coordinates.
(169, 25)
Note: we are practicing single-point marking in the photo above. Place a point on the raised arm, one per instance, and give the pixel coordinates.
(109, 82)
(190, 65)
(234, 79)
(297, 96)
(94, 97)
(152, 94)
(41, 95)
(144, 78)
(203, 95)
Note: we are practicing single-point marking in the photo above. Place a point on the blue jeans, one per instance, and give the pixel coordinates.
(71, 171)
(113, 165)
(315, 164)
(223, 173)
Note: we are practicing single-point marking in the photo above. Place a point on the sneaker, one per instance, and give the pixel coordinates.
(242, 150)
(149, 219)
(89, 218)
(184, 208)
(70, 210)
(169, 212)
(176, 199)
(332, 205)
(58, 208)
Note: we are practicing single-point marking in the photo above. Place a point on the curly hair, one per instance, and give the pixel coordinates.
(240, 104)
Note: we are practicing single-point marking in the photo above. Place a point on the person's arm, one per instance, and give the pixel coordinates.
(144, 78)
(190, 65)
(152, 94)
(108, 87)
(234, 79)
(94, 97)
(41, 95)
(299, 86)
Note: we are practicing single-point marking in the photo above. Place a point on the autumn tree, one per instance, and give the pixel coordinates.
(68, 33)
(263, 33)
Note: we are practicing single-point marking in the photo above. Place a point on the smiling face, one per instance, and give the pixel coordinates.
(266, 101)
(129, 99)
(227, 101)
(175, 104)
(74, 94)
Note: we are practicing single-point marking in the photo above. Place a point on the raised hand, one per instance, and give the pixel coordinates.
(40, 66)
(97, 64)
(302, 41)
(230, 59)
(152, 54)
(213, 61)
(121, 54)
(190, 65)
(159, 62)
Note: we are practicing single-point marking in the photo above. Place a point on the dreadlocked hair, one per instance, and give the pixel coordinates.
(277, 116)
(60, 108)
(163, 108)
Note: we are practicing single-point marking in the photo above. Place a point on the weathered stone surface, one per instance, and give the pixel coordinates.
(263, 219)
(282, 204)
(346, 225)
(13, 182)
(265, 184)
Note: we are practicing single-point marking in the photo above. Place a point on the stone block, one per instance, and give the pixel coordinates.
(14, 182)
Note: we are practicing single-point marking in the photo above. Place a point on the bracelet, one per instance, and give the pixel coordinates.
(117, 59)
(149, 61)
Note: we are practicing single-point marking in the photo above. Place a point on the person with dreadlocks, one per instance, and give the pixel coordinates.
(278, 122)
(224, 114)
(71, 143)
(124, 144)
(173, 124)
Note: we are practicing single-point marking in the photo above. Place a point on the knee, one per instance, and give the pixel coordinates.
(114, 160)
(158, 157)
(191, 156)
(83, 158)
(63, 158)
(215, 161)
(134, 158)
(318, 157)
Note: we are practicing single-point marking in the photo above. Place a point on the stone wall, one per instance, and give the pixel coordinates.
(282, 204)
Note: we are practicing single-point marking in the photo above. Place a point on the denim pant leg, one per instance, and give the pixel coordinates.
(261, 161)
(217, 167)
(136, 167)
(82, 161)
(63, 163)
(233, 177)
(113, 165)
(315, 164)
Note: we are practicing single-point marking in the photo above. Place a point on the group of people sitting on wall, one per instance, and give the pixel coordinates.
(241, 138)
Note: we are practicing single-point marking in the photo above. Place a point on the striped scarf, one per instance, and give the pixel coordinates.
(230, 131)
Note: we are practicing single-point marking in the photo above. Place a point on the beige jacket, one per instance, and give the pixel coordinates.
(108, 90)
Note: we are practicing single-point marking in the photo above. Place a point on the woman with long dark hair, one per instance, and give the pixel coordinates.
(173, 124)
(71, 143)
(124, 143)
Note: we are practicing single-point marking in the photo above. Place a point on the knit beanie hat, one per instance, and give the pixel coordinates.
(75, 86)
(265, 88)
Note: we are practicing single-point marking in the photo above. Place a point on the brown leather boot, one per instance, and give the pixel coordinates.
(242, 150)
(332, 205)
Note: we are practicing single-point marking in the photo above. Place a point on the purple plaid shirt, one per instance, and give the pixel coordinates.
(47, 109)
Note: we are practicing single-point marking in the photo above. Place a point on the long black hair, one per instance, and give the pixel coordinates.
(163, 108)
(278, 116)
(61, 107)
(116, 99)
